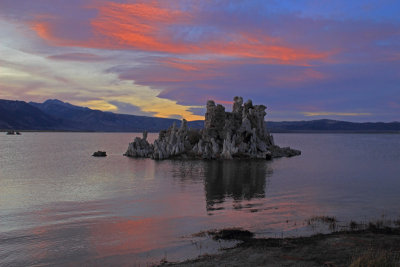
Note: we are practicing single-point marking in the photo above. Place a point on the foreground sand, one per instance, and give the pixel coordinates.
(377, 247)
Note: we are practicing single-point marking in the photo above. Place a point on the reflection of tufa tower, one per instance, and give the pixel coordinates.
(238, 180)
(225, 180)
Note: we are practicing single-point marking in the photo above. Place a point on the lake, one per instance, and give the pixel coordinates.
(61, 206)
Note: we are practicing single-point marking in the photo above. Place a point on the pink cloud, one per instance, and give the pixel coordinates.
(151, 27)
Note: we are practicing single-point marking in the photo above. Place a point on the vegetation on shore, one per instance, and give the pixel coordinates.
(374, 243)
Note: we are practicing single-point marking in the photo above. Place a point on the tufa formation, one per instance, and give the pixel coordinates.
(226, 135)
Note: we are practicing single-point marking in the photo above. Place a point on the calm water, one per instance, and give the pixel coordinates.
(60, 206)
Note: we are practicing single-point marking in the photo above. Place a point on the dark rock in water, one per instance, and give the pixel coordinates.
(226, 135)
(278, 152)
(99, 154)
(232, 234)
(12, 132)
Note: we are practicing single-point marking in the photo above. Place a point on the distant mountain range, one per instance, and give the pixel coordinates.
(325, 125)
(55, 115)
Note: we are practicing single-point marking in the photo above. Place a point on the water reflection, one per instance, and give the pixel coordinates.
(187, 171)
(239, 180)
(70, 209)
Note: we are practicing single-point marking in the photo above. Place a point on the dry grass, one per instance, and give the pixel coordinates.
(324, 219)
(329, 220)
(379, 258)
(380, 225)
(354, 225)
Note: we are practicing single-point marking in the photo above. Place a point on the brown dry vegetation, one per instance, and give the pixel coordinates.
(362, 244)
(376, 258)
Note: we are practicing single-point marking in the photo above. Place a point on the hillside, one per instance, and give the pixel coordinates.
(325, 125)
(20, 115)
(55, 115)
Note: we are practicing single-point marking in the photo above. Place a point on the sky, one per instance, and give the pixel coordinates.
(304, 59)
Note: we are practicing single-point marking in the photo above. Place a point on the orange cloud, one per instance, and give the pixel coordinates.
(154, 28)
(248, 46)
(138, 26)
(43, 30)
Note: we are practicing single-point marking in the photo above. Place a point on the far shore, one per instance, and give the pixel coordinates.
(286, 132)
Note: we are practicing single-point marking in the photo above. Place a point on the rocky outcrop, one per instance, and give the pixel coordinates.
(226, 135)
(140, 148)
(99, 154)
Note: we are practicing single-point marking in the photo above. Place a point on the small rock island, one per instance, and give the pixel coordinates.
(99, 154)
(240, 134)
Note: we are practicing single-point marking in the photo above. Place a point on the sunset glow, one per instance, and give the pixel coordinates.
(167, 58)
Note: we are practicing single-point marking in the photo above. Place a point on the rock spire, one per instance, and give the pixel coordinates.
(226, 135)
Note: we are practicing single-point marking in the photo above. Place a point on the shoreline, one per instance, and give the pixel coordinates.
(156, 132)
(376, 245)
